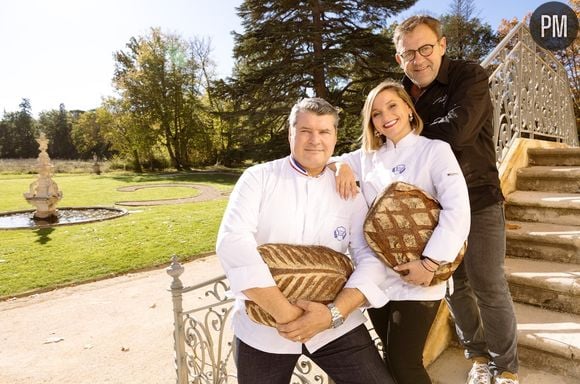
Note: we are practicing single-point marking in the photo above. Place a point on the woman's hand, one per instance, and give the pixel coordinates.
(345, 181)
(417, 272)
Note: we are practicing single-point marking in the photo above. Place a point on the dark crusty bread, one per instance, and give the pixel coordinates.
(399, 224)
(313, 272)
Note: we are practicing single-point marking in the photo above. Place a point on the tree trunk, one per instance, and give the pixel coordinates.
(169, 143)
(318, 74)
(137, 162)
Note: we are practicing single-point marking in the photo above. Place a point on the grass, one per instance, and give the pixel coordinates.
(43, 259)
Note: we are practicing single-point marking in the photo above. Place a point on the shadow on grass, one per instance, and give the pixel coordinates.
(43, 235)
(192, 176)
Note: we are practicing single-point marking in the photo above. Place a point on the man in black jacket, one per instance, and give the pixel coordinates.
(452, 97)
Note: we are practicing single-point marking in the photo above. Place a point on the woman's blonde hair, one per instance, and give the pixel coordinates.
(371, 142)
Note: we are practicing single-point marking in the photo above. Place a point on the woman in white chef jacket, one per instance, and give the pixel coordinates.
(392, 150)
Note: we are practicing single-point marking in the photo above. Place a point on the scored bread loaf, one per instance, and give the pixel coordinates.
(309, 272)
(399, 224)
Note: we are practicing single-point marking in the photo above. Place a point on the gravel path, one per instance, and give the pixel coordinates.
(117, 330)
(207, 193)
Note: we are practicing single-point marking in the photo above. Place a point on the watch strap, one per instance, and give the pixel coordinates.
(337, 318)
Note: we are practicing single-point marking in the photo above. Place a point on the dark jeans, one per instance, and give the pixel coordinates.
(481, 304)
(350, 359)
(403, 327)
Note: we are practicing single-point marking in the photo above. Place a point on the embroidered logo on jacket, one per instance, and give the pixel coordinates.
(340, 233)
(398, 169)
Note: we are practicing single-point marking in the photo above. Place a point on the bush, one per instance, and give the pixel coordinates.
(28, 166)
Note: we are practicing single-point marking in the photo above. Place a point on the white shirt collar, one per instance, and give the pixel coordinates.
(300, 169)
(407, 141)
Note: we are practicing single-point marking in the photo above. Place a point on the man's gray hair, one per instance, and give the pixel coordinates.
(315, 105)
(412, 22)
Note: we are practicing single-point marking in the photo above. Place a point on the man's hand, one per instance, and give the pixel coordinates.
(271, 300)
(315, 319)
(291, 313)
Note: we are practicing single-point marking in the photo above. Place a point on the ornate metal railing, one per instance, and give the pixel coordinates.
(530, 91)
(203, 337)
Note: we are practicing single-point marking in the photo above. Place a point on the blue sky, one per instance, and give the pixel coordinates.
(61, 51)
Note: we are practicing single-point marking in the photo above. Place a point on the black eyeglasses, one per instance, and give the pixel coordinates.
(424, 50)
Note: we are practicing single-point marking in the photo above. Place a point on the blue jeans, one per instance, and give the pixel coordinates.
(481, 304)
(350, 359)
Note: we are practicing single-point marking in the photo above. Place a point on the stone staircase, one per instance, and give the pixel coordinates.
(543, 271)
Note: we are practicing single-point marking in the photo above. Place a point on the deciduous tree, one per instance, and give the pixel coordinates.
(158, 77)
(88, 134)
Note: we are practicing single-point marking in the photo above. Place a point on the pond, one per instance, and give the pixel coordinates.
(64, 216)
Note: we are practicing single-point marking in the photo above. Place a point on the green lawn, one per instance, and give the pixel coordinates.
(32, 260)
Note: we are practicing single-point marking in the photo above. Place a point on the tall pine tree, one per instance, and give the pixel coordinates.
(467, 37)
(291, 49)
(18, 132)
(57, 126)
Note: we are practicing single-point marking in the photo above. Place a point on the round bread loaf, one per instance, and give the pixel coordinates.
(399, 224)
(313, 272)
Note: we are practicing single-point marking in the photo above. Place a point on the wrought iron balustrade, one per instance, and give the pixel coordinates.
(530, 91)
(203, 338)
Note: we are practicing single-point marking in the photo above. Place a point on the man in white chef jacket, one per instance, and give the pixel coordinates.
(292, 200)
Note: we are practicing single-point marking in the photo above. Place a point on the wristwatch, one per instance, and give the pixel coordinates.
(337, 318)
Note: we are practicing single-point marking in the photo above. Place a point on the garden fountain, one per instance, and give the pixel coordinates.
(45, 195)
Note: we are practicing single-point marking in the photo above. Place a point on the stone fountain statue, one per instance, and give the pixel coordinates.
(44, 193)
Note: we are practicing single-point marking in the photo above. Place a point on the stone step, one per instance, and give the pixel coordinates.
(546, 207)
(548, 340)
(549, 178)
(548, 347)
(554, 156)
(548, 242)
(555, 286)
